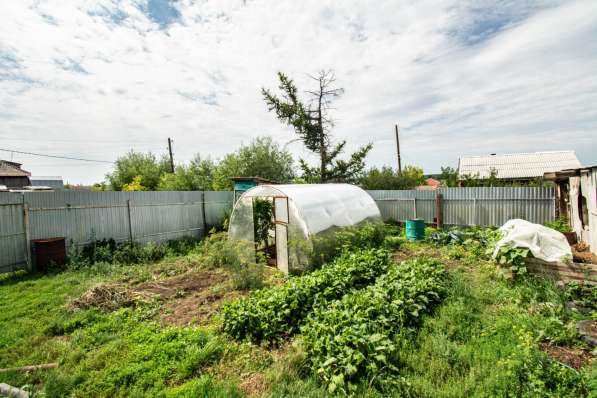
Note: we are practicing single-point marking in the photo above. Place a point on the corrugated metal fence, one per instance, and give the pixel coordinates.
(82, 217)
(484, 206)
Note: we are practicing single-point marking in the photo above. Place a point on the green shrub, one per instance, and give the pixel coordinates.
(561, 225)
(355, 338)
(246, 267)
(271, 315)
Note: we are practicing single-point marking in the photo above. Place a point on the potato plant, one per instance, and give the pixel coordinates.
(271, 315)
(356, 338)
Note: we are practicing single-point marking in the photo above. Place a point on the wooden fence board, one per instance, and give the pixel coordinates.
(581, 272)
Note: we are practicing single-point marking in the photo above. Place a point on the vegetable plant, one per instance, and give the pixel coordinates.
(356, 338)
(271, 315)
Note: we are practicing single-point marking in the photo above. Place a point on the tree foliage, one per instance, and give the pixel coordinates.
(387, 178)
(262, 157)
(311, 121)
(449, 176)
(137, 164)
(196, 176)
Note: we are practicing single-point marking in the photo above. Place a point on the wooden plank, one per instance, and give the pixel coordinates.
(580, 272)
(561, 277)
(560, 268)
(575, 275)
(579, 267)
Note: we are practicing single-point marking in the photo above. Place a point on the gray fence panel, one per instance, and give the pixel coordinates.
(483, 206)
(493, 206)
(13, 251)
(401, 205)
(162, 216)
(218, 205)
(79, 216)
(82, 216)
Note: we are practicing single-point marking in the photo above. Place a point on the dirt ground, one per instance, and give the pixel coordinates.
(573, 357)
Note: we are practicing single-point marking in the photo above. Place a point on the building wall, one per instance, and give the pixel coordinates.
(15, 182)
(583, 207)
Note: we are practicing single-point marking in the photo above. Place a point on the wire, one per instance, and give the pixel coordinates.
(56, 156)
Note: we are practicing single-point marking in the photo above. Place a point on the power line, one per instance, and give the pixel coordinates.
(55, 156)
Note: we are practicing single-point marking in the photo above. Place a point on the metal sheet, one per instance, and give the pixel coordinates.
(82, 217)
(483, 206)
(12, 233)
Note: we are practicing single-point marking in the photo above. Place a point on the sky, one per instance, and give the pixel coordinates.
(94, 79)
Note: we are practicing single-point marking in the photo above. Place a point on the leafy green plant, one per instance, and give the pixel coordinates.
(560, 224)
(512, 257)
(246, 267)
(356, 338)
(271, 315)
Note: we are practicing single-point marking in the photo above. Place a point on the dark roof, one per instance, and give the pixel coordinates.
(12, 169)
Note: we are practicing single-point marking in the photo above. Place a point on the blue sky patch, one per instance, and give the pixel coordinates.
(161, 12)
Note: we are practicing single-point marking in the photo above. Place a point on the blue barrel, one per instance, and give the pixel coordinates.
(415, 229)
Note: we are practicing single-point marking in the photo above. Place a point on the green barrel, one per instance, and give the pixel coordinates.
(415, 229)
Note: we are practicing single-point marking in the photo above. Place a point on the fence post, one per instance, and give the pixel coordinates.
(439, 211)
(27, 235)
(128, 210)
(415, 206)
(204, 232)
(475, 211)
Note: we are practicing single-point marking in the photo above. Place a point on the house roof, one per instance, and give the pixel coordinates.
(518, 165)
(12, 169)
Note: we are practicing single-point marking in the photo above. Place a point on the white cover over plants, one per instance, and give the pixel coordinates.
(312, 209)
(545, 243)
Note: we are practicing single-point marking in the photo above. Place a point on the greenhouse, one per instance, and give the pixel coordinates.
(281, 221)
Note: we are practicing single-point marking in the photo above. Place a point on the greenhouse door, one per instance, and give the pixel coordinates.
(281, 221)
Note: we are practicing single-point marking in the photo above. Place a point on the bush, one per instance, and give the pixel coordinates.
(561, 225)
(238, 257)
(108, 251)
(355, 338)
(271, 315)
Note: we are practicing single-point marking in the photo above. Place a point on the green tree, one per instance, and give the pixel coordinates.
(196, 176)
(449, 176)
(311, 121)
(262, 157)
(134, 164)
(387, 178)
(134, 185)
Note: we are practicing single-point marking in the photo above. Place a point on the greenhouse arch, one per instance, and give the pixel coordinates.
(281, 220)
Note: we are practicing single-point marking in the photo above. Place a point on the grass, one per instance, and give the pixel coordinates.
(484, 340)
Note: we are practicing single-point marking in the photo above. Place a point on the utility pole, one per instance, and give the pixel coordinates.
(172, 159)
(398, 151)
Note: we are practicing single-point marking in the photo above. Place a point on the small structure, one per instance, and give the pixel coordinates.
(281, 220)
(576, 196)
(242, 184)
(12, 176)
(516, 166)
(54, 182)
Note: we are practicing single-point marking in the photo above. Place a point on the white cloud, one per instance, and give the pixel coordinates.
(94, 79)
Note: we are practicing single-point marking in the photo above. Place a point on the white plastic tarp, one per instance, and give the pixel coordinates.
(545, 243)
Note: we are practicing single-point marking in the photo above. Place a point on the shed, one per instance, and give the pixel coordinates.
(12, 176)
(576, 195)
(54, 182)
(242, 184)
(517, 166)
(282, 220)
